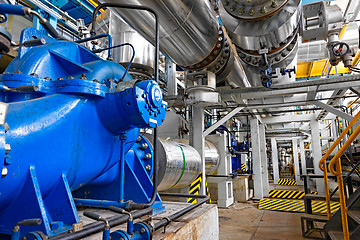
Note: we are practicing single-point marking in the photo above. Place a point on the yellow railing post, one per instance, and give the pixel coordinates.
(338, 173)
(322, 162)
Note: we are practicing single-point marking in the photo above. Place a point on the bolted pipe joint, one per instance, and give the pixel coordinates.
(134, 104)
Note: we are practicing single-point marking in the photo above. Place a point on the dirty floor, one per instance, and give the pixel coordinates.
(245, 221)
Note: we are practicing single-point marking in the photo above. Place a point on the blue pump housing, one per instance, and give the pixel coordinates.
(72, 126)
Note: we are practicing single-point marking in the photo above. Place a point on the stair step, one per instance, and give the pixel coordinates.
(316, 218)
(354, 214)
(320, 197)
(336, 235)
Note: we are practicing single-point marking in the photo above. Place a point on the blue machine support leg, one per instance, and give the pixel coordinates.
(54, 215)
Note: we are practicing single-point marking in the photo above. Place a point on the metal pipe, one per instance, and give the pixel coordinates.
(96, 227)
(189, 28)
(134, 7)
(122, 32)
(155, 179)
(165, 221)
(97, 37)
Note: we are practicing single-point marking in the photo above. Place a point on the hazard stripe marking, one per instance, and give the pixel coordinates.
(286, 181)
(195, 188)
(243, 167)
(295, 205)
(287, 194)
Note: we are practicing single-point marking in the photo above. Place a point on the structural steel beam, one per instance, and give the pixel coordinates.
(287, 119)
(333, 110)
(221, 121)
(320, 85)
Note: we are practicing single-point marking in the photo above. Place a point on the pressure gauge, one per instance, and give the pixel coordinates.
(340, 49)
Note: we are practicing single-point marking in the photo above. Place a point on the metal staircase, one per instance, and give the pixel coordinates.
(333, 228)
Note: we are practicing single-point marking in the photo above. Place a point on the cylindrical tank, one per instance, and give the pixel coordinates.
(180, 164)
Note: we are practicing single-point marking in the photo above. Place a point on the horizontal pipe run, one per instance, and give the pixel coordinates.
(98, 203)
(165, 221)
(96, 227)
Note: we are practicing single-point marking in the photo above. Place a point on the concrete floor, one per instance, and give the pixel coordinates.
(245, 221)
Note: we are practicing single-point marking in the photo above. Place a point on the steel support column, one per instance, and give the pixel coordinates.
(264, 160)
(222, 121)
(198, 141)
(303, 159)
(256, 158)
(316, 153)
(170, 74)
(275, 160)
(296, 160)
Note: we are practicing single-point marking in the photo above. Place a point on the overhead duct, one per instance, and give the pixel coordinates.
(189, 34)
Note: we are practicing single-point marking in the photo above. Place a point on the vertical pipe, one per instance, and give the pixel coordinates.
(122, 165)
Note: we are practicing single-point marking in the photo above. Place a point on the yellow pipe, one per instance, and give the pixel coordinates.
(323, 166)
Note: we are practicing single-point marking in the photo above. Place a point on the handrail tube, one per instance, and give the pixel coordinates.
(338, 173)
(323, 166)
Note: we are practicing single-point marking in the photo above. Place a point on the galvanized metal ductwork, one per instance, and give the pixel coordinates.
(189, 34)
(180, 164)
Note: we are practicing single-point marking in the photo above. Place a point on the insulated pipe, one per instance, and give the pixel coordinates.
(180, 164)
(189, 28)
(189, 35)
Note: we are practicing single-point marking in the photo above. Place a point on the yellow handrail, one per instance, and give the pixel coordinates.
(322, 162)
(338, 173)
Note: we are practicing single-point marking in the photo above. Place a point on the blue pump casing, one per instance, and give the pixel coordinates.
(71, 123)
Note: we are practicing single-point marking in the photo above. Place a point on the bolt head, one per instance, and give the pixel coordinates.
(142, 230)
(7, 148)
(148, 167)
(4, 172)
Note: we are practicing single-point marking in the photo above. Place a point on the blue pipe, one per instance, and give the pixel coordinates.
(15, 235)
(98, 203)
(12, 9)
(106, 233)
(130, 226)
(122, 166)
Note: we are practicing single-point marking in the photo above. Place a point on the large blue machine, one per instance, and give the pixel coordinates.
(72, 127)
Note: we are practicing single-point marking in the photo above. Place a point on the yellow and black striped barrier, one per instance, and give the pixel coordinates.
(286, 181)
(195, 188)
(243, 167)
(287, 194)
(296, 205)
